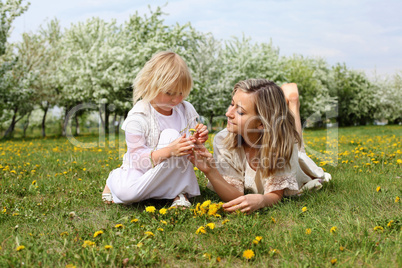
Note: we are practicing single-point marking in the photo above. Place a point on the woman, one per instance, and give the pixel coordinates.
(261, 150)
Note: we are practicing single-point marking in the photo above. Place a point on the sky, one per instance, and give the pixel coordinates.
(365, 35)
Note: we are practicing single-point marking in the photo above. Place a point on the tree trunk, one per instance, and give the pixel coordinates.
(77, 126)
(10, 129)
(64, 133)
(107, 121)
(115, 125)
(26, 124)
(44, 121)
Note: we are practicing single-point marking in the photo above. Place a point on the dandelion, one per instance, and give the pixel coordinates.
(273, 220)
(64, 234)
(160, 229)
(378, 228)
(149, 234)
(98, 233)
(248, 254)
(207, 256)
(333, 261)
(19, 248)
(164, 222)
(34, 182)
(118, 225)
(397, 199)
(304, 209)
(341, 248)
(257, 240)
(150, 209)
(225, 221)
(139, 245)
(192, 130)
(333, 229)
(211, 225)
(378, 189)
(399, 161)
(108, 247)
(162, 211)
(201, 230)
(390, 223)
(308, 231)
(88, 243)
(70, 266)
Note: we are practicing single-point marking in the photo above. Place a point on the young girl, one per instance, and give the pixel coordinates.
(260, 151)
(158, 138)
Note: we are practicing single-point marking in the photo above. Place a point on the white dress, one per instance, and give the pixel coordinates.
(137, 179)
(301, 173)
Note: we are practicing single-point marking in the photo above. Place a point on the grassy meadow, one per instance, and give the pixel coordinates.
(52, 215)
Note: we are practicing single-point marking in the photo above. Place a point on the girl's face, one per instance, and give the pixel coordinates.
(242, 117)
(164, 102)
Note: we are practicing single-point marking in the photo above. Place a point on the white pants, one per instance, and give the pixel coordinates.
(165, 181)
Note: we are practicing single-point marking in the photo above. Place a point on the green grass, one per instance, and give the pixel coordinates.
(43, 180)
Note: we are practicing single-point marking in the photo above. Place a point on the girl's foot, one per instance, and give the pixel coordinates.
(181, 201)
(107, 195)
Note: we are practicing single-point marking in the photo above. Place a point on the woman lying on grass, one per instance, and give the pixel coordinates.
(261, 150)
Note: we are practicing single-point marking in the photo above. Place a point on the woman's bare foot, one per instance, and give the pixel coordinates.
(107, 195)
(291, 93)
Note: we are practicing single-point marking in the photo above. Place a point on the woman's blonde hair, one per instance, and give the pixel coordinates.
(165, 71)
(279, 132)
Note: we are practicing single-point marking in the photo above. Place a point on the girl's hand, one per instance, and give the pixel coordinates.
(181, 146)
(202, 158)
(201, 133)
(246, 203)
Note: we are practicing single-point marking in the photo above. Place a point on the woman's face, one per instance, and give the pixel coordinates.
(242, 117)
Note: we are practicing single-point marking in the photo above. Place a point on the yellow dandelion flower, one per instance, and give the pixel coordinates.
(98, 233)
(248, 254)
(378, 188)
(149, 234)
(333, 229)
(34, 182)
(119, 225)
(207, 256)
(201, 230)
(139, 245)
(273, 220)
(341, 248)
(164, 222)
(333, 261)
(399, 161)
(256, 242)
(162, 211)
(150, 209)
(397, 199)
(378, 228)
(211, 225)
(225, 221)
(134, 220)
(160, 229)
(88, 243)
(71, 266)
(195, 168)
(304, 209)
(19, 248)
(64, 234)
(390, 223)
(218, 259)
(308, 231)
(108, 247)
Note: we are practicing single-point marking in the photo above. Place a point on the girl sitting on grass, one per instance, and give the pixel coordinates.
(261, 149)
(158, 138)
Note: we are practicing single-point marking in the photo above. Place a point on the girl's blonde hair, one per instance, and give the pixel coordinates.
(279, 132)
(165, 71)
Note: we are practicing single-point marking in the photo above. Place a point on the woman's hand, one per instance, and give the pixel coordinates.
(246, 203)
(202, 158)
(201, 133)
(252, 202)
